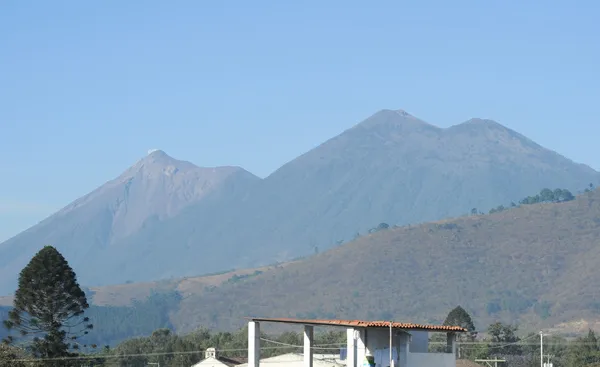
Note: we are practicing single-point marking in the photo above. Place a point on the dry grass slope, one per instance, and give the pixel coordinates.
(534, 263)
(126, 294)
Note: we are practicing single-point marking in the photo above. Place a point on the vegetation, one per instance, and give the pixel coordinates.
(459, 317)
(116, 324)
(172, 350)
(502, 341)
(479, 253)
(168, 349)
(11, 356)
(505, 267)
(162, 345)
(380, 227)
(48, 307)
(188, 349)
(238, 277)
(545, 196)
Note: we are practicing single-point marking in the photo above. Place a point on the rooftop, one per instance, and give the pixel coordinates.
(297, 360)
(361, 323)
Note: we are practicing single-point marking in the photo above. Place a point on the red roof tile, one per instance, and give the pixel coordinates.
(360, 323)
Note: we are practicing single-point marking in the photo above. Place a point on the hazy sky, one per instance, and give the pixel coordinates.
(87, 87)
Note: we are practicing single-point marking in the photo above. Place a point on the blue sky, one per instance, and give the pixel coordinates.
(86, 88)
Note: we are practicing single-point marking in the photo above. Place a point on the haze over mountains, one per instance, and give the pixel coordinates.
(534, 264)
(163, 217)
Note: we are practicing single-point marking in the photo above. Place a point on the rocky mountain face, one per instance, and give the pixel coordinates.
(166, 218)
(90, 230)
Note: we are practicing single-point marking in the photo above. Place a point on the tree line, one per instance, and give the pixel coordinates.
(545, 195)
(501, 341)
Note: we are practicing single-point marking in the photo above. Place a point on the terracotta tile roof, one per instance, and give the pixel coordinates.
(360, 323)
(229, 361)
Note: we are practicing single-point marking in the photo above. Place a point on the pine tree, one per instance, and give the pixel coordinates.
(459, 317)
(48, 307)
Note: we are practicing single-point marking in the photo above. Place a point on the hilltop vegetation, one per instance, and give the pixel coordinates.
(545, 196)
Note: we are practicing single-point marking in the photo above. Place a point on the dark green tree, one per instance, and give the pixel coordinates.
(563, 195)
(585, 351)
(48, 307)
(503, 339)
(459, 317)
(380, 227)
(567, 196)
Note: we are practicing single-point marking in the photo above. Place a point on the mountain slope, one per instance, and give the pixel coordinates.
(535, 263)
(164, 218)
(391, 168)
(89, 230)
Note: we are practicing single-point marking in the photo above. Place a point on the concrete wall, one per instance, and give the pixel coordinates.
(431, 360)
(419, 342)
(411, 354)
(380, 338)
(371, 339)
(377, 339)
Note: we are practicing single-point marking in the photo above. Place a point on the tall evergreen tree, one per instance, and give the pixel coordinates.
(48, 307)
(459, 317)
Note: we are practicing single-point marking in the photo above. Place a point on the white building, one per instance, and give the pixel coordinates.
(368, 343)
(211, 359)
(297, 360)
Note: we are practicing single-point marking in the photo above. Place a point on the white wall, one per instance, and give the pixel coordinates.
(379, 338)
(431, 360)
(210, 362)
(297, 360)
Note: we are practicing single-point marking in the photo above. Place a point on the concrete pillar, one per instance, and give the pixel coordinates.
(403, 349)
(253, 344)
(451, 343)
(351, 348)
(308, 344)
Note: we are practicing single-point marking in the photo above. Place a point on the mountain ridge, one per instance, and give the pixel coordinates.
(154, 188)
(392, 168)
